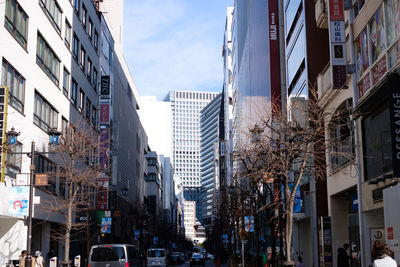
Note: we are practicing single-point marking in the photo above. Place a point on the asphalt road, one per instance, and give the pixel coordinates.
(208, 264)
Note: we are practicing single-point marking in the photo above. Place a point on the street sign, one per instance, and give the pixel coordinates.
(3, 127)
(41, 179)
(243, 234)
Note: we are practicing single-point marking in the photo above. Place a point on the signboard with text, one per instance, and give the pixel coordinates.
(337, 44)
(104, 113)
(274, 52)
(105, 86)
(394, 111)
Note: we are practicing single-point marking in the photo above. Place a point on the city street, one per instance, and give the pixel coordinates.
(208, 264)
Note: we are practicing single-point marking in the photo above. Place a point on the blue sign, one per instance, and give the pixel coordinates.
(225, 238)
(106, 225)
(137, 234)
(18, 201)
(298, 200)
(354, 202)
(249, 223)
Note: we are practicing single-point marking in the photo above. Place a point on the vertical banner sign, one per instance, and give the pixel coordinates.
(3, 127)
(394, 111)
(104, 148)
(274, 54)
(105, 86)
(106, 225)
(105, 113)
(18, 201)
(337, 44)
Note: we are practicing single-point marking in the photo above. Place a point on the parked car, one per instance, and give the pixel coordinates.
(197, 259)
(177, 257)
(156, 257)
(114, 255)
(210, 257)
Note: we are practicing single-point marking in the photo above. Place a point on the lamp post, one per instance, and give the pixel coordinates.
(31, 177)
(12, 140)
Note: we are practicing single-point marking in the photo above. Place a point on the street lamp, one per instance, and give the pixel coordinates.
(12, 140)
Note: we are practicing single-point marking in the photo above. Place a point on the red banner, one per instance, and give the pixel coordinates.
(363, 86)
(336, 11)
(379, 70)
(274, 54)
(104, 113)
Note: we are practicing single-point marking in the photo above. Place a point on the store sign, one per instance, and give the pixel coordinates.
(274, 52)
(249, 223)
(104, 149)
(394, 110)
(104, 113)
(363, 86)
(379, 70)
(337, 44)
(105, 86)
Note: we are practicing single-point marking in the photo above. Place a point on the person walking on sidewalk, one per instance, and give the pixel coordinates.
(384, 258)
(38, 260)
(343, 257)
(22, 258)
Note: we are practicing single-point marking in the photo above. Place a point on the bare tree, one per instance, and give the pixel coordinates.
(281, 150)
(76, 169)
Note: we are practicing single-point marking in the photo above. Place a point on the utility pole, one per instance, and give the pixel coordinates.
(31, 177)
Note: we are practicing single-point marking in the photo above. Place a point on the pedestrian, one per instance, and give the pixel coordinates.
(300, 262)
(22, 258)
(343, 257)
(38, 260)
(384, 258)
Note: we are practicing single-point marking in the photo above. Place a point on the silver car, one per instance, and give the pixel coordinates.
(156, 257)
(114, 255)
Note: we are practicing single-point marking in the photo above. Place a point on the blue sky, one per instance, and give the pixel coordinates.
(175, 44)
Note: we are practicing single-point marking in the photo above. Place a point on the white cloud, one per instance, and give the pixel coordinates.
(171, 45)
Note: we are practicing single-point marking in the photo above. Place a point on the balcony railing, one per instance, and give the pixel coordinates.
(321, 14)
(324, 81)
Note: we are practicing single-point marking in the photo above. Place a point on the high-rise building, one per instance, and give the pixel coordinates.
(186, 107)
(211, 144)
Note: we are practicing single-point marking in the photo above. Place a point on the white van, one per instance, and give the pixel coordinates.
(114, 255)
(156, 257)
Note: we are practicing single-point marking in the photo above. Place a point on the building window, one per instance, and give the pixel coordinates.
(74, 92)
(66, 82)
(94, 115)
(89, 69)
(94, 81)
(81, 101)
(16, 86)
(377, 144)
(47, 59)
(82, 59)
(14, 160)
(77, 6)
(90, 29)
(53, 12)
(96, 40)
(75, 46)
(88, 107)
(43, 165)
(83, 16)
(68, 30)
(341, 137)
(64, 126)
(16, 21)
(45, 116)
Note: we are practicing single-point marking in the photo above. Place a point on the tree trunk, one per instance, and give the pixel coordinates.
(68, 234)
(288, 232)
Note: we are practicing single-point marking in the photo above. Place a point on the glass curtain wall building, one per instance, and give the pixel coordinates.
(186, 107)
(209, 151)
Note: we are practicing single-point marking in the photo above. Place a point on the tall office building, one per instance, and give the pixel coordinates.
(210, 123)
(186, 107)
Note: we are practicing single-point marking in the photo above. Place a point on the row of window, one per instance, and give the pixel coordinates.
(85, 62)
(195, 95)
(45, 116)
